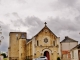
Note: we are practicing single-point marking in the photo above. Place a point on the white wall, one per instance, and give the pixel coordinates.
(68, 45)
(1, 57)
(75, 52)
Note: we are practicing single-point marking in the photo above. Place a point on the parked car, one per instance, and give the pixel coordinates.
(42, 58)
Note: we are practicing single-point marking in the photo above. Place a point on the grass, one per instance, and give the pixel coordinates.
(5, 58)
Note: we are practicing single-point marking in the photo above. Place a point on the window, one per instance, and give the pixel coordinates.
(23, 35)
(16, 36)
(45, 40)
(37, 43)
(53, 43)
(72, 54)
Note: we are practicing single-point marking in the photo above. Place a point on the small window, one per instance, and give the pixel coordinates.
(45, 40)
(72, 54)
(16, 35)
(53, 43)
(37, 43)
(22, 36)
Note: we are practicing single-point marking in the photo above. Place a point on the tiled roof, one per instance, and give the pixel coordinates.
(68, 39)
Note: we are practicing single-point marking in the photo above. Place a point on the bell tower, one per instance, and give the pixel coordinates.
(17, 45)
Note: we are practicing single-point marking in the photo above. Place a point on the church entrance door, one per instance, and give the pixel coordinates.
(46, 53)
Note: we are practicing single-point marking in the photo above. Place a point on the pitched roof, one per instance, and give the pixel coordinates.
(46, 28)
(28, 40)
(40, 31)
(68, 39)
(77, 46)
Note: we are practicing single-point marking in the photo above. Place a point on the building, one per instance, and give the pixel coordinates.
(66, 45)
(1, 57)
(75, 53)
(44, 43)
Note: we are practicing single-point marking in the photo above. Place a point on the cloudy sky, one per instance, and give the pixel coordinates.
(62, 17)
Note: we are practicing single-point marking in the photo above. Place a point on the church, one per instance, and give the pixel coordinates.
(44, 43)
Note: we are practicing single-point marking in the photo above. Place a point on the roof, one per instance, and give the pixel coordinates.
(46, 28)
(77, 46)
(16, 32)
(28, 40)
(68, 39)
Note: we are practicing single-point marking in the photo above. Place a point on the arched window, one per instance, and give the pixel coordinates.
(37, 43)
(53, 43)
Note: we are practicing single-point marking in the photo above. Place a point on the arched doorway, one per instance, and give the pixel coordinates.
(46, 53)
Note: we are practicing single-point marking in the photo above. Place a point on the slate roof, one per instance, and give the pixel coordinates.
(68, 39)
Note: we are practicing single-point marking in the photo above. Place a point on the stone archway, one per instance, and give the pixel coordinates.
(46, 53)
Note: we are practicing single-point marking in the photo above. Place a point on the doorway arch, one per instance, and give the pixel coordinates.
(46, 53)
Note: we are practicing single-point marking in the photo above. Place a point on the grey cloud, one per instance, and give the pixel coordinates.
(77, 19)
(7, 15)
(63, 24)
(57, 25)
(62, 4)
(5, 34)
(33, 21)
(22, 1)
(17, 22)
(63, 27)
(68, 2)
(34, 25)
(16, 14)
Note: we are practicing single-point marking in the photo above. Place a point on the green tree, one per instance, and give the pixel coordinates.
(4, 55)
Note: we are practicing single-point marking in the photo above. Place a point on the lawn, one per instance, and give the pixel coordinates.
(5, 58)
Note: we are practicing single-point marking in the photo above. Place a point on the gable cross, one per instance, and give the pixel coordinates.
(45, 23)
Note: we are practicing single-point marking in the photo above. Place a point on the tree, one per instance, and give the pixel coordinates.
(4, 55)
(1, 37)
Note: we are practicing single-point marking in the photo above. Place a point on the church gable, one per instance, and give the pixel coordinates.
(45, 37)
(46, 31)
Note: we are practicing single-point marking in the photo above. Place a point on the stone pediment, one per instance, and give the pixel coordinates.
(45, 29)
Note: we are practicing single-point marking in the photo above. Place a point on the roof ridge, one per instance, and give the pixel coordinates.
(68, 39)
(43, 28)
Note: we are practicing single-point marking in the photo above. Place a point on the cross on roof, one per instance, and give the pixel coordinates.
(45, 23)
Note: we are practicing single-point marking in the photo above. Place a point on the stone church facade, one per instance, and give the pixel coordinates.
(45, 43)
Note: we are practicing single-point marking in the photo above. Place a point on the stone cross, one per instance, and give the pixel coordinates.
(45, 23)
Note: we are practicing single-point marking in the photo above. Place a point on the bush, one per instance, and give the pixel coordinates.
(4, 55)
(58, 58)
